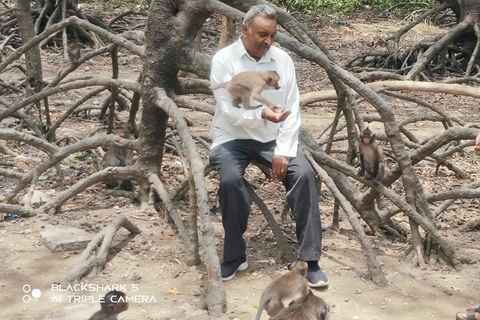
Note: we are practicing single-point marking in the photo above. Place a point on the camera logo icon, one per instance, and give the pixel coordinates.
(35, 293)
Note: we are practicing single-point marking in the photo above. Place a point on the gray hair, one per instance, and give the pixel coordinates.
(260, 10)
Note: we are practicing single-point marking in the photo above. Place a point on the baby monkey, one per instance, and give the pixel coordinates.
(251, 84)
(291, 286)
(112, 304)
(371, 157)
(311, 308)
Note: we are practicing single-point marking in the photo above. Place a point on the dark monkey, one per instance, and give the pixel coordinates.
(371, 157)
(112, 304)
(74, 52)
(251, 84)
(291, 286)
(119, 157)
(311, 308)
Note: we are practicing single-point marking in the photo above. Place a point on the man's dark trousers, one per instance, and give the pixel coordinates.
(231, 159)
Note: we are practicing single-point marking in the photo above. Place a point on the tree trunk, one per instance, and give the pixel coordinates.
(170, 34)
(462, 7)
(32, 56)
(159, 69)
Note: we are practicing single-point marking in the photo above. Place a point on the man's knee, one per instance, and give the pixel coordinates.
(231, 179)
(303, 172)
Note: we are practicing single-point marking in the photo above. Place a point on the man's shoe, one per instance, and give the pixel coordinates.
(316, 277)
(231, 267)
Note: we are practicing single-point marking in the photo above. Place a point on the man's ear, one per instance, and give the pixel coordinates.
(244, 29)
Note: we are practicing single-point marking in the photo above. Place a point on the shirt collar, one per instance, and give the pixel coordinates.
(240, 48)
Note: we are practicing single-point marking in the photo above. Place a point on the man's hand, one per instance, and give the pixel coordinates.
(279, 167)
(275, 117)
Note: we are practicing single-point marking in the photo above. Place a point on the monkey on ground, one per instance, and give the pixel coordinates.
(371, 157)
(119, 157)
(74, 52)
(112, 304)
(310, 308)
(291, 286)
(251, 84)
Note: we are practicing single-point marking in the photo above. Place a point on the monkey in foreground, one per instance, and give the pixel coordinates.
(251, 84)
(119, 157)
(74, 52)
(311, 308)
(371, 157)
(112, 304)
(291, 286)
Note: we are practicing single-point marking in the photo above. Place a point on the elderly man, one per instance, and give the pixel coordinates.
(264, 135)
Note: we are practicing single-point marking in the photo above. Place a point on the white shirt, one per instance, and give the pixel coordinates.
(230, 123)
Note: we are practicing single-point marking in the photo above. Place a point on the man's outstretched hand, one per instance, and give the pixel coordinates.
(275, 117)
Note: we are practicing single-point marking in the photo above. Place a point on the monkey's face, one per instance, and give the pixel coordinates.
(259, 36)
(368, 139)
(273, 79)
(121, 306)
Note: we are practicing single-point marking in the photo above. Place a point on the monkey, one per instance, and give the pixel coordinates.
(112, 304)
(74, 52)
(119, 157)
(371, 157)
(310, 308)
(251, 84)
(291, 286)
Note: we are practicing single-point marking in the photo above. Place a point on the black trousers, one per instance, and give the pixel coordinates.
(231, 159)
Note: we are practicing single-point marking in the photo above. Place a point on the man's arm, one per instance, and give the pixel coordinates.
(287, 138)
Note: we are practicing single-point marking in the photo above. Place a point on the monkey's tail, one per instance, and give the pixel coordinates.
(218, 86)
(260, 309)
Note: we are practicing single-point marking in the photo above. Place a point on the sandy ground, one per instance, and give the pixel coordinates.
(150, 269)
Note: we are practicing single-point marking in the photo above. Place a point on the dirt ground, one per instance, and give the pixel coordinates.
(151, 269)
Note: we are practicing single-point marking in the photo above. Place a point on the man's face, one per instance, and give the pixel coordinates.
(259, 36)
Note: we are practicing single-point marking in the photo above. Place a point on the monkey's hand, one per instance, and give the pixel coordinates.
(361, 173)
(275, 117)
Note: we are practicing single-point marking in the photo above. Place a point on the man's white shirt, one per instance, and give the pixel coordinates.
(230, 122)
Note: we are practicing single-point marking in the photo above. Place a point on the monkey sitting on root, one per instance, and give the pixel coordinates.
(119, 157)
(289, 287)
(112, 304)
(310, 308)
(371, 157)
(251, 84)
(74, 51)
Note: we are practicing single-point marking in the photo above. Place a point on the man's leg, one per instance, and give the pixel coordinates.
(235, 202)
(302, 197)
